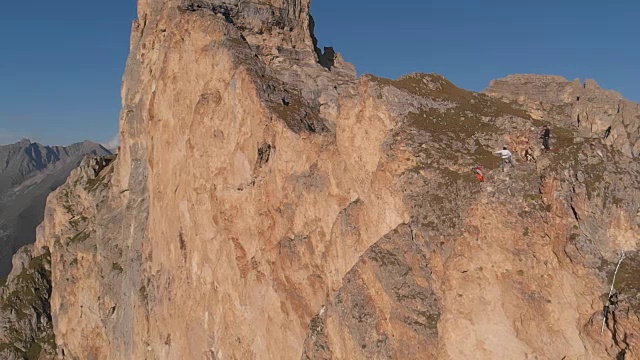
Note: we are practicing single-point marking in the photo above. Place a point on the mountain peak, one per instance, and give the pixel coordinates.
(286, 22)
(24, 142)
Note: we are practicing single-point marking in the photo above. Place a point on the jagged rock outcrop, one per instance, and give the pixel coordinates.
(28, 173)
(595, 111)
(25, 316)
(266, 205)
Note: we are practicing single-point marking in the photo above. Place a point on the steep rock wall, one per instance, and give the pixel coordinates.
(265, 206)
(251, 224)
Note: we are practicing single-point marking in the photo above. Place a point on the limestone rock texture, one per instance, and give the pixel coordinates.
(267, 203)
(595, 111)
(29, 172)
(26, 331)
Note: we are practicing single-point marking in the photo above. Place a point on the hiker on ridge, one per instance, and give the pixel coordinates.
(545, 138)
(507, 158)
(479, 171)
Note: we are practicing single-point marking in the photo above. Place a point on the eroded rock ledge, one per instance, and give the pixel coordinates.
(264, 205)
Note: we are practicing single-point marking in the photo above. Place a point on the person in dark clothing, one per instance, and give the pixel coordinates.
(545, 137)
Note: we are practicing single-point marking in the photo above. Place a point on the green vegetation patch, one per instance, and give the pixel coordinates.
(29, 285)
(80, 237)
(436, 86)
(29, 299)
(627, 280)
(66, 202)
(451, 122)
(462, 134)
(289, 105)
(34, 351)
(100, 180)
(572, 156)
(76, 222)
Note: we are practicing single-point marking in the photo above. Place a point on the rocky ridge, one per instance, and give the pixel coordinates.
(26, 331)
(596, 112)
(28, 173)
(266, 205)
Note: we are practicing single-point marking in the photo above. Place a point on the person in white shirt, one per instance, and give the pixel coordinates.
(507, 158)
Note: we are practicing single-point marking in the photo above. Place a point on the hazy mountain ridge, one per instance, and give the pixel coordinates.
(28, 173)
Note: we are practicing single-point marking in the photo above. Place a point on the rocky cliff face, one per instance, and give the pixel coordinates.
(594, 111)
(28, 173)
(266, 203)
(26, 331)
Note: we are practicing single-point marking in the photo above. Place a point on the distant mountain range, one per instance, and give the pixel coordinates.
(28, 173)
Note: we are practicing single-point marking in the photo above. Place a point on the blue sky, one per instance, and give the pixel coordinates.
(61, 62)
